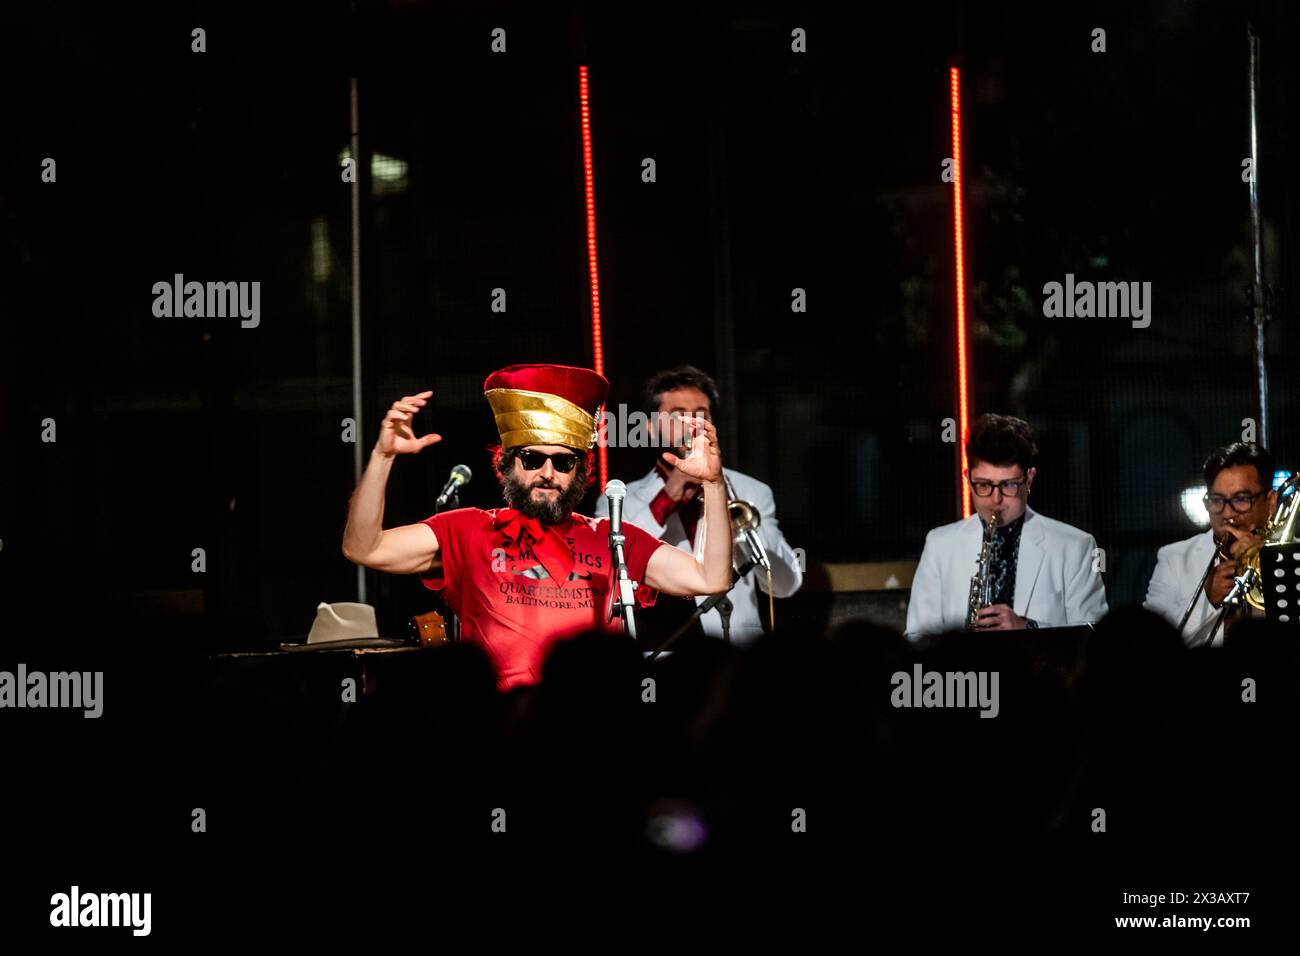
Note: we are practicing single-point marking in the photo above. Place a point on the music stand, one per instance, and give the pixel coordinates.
(1279, 577)
(1062, 648)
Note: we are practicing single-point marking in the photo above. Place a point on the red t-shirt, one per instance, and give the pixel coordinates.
(506, 600)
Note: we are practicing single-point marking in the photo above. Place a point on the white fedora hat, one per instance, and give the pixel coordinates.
(342, 626)
(344, 621)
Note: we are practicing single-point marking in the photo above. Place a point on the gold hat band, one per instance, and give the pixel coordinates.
(537, 418)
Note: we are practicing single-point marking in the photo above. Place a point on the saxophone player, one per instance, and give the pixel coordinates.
(1192, 577)
(1039, 572)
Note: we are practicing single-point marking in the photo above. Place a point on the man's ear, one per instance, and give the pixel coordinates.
(1030, 475)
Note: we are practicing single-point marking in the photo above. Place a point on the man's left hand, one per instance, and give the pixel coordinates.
(999, 617)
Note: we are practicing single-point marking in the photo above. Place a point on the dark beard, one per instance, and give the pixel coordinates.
(552, 511)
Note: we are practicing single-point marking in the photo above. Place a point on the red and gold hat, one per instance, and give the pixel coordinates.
(546, 404)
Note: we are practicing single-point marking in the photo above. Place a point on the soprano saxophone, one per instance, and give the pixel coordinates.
(981, 583)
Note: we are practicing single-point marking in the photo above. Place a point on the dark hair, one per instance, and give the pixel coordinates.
(683, 376)
(503, 462)
(1002, 440)
(1241, 453)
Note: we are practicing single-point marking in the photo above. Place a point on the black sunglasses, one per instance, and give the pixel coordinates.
(563, 461)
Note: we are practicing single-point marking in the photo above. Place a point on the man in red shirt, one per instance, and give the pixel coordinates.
(522, 577)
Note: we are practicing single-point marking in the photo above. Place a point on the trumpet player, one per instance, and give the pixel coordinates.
(1035, 571)
(1192, 577)
(667, 505)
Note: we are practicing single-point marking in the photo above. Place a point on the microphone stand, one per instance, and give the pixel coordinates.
(720, 601)
(622, 601)
(452, 620)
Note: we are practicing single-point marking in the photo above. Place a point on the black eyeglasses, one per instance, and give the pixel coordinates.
(563, 461)
(1011, 487)
(1240, 503)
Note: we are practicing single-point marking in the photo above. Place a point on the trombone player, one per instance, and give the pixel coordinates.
(1192, 577)
(668, 506)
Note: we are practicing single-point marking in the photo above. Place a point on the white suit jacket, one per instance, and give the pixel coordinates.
(1179, 567)
(1055, 580)
(749, 595)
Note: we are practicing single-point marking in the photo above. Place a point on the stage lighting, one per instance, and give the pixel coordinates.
(1194, 507)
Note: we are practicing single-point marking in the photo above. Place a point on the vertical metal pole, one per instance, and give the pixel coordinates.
(1258, 304)
(356, 306)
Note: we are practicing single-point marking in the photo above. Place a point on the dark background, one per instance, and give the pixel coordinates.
(775, 170)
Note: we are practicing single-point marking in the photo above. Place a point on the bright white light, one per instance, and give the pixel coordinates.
(1194, 508)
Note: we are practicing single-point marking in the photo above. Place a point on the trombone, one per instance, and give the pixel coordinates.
(1219, 552)
(1247, 590)
(745, 519)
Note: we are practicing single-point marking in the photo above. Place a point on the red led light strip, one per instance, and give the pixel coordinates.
(598, 350)
(959, 245)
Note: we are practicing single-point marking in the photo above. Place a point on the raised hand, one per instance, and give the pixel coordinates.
(678, 486)
(396, 436)
(704, 463)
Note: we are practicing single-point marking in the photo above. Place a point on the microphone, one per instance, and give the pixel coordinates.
(614, 492)
(622, 598)
(460, 476)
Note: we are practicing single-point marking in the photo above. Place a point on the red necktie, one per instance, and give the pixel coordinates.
(549, 547)
(688, 511)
